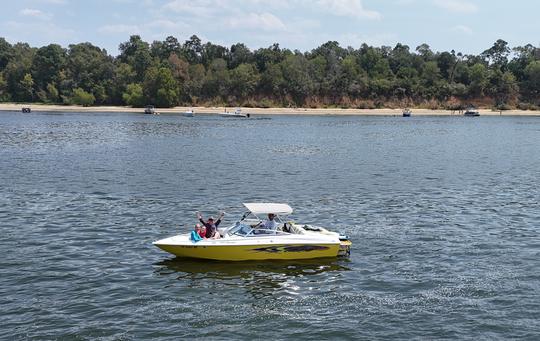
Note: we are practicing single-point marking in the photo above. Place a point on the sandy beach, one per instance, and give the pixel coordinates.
(258, 111)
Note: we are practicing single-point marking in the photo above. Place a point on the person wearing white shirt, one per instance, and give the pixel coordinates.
(270, 223)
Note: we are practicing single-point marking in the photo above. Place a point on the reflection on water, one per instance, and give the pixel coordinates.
(260, 279)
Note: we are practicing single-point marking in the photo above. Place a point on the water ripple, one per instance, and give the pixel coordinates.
(443, 213)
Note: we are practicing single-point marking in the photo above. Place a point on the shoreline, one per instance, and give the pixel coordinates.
(261, 111)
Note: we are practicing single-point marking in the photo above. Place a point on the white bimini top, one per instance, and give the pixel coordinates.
(266, 208)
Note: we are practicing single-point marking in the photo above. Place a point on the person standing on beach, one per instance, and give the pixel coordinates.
(211, 225)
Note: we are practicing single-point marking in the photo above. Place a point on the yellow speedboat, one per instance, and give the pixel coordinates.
(246, 240)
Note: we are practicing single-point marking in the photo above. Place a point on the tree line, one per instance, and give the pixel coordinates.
(170, 73)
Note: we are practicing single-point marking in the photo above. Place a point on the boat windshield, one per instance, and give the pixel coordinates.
(245, 230)
(241, 230)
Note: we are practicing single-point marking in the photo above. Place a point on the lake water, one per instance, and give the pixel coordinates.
(444, 214)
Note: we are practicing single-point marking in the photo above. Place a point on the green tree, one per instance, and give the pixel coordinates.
(400, 57)
(446, 62)
(211, 51)
(382, 69)
(239, 54)
(166, 73)
(91, 69)
(193, 49)
(369, 58)
(217, 80)
(479, 78)
(193, 86)
(82, 97)
(5, 53)
(508, 89)
(425, 51)
(17, 68)
(497, 54)
(349, 71)
(123, 74)
(272, 81)
(4, 94)
(532, 81)
(160, 87)
(244, 79)
(265, 57)
(524, 56)
(47, 64)
(297, 82)
(136, 53)
(431, 73)
(27, 84)
(134, 95)
(52, 93)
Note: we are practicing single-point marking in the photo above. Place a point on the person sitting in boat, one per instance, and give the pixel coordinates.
(211, 225)
(268, 224)
(198, 234)
(201, 230)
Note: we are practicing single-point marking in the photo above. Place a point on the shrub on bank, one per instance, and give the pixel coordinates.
(82, 97)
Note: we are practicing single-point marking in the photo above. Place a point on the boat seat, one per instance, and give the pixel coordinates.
(295, 229)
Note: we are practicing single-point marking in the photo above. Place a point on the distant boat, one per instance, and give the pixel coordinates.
(150, 110)
(236, 114)
(407, 112)
(26, 110)
(471, 111)
(188, 113)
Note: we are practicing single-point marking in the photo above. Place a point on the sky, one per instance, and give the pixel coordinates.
(468, 26)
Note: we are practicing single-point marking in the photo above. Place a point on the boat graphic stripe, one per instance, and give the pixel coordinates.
(292, 248)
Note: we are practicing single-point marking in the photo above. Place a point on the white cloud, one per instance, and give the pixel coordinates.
(302, 24)
(54, 2)
(460, 6)
(150, 30)
(254, 21)
(35, 13)
(350, 8)
(167, 24)
(462, 29)
(119, 28)
(356, 40)
(40, 33)
(405, 2)
(275, 4)
(198, 8)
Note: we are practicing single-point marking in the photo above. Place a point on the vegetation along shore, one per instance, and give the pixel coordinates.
(329, 79)
(38, 107)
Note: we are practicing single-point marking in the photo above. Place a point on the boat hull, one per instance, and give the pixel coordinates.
(253, 252)
(268, 248)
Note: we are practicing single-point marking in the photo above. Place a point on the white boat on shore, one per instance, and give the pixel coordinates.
(245, 240)
(188, 113)
(150, 110)
(407, 112)
(471, 112)
(237, 113)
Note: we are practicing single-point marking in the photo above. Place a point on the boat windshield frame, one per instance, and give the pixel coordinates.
(247, 231)
(249, 213)
(245, 226)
